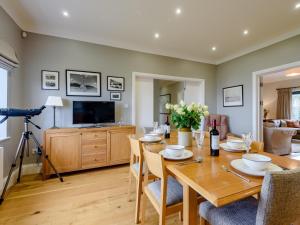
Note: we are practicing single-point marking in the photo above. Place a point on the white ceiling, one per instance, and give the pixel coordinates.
(281, 75)
(131, 24)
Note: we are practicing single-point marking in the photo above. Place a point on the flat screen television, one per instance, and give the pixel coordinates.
(92, 112)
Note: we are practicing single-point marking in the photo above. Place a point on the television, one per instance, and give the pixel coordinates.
(93, 112)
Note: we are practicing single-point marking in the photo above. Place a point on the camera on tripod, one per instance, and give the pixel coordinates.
(24, 141)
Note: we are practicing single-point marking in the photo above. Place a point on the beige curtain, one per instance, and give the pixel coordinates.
(284, 101)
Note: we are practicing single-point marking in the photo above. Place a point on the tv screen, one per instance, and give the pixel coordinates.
(92, 112)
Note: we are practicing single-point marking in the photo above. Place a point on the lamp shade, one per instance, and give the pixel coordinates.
(54, 101)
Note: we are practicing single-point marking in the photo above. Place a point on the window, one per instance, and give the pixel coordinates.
(296, 105)
(3, 100)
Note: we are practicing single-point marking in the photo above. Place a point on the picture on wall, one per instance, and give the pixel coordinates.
(115, 96)
(115, 83)
(50, 80)
(83, 83)
(163, 100)
(233, 96)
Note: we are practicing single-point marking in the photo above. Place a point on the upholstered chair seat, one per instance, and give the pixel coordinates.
(174, 191)
(222, 124)
(279, 204)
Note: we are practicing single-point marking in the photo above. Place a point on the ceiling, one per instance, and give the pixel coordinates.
(282, 75)
(131, 24)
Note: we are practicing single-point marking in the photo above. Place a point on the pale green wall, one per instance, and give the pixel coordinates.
(239, 71)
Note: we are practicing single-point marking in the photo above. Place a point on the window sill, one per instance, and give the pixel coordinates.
(4, 139)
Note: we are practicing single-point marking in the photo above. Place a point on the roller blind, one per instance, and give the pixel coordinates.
(8, 59)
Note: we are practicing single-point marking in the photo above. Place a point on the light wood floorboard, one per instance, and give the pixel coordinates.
(97, 197)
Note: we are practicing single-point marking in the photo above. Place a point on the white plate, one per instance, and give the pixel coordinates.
(229, 149)
(186, 155)
(150, 140)
(238, 164)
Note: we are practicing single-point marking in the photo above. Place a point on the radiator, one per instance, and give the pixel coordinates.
(1, 168)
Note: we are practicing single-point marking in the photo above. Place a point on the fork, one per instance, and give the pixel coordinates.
(237, 174)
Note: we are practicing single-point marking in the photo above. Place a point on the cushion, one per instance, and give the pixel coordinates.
(136, 167)
(174, 191)
(242, 212)
(294, 124)
(283, 123)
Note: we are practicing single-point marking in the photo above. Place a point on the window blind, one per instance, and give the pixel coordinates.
(8, 59)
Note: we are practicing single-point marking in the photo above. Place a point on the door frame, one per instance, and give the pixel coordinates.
(257, 126)
(135, 75)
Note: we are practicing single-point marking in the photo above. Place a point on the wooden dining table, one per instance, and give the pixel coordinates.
(210, 180)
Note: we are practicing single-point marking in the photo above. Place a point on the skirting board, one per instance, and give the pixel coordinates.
(27, 169)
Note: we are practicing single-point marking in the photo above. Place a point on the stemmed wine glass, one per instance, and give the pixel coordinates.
(247, 138)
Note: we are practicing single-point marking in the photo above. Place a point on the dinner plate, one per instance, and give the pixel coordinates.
(230, 149)
(150, 140)
(186, 155)
(238, 164)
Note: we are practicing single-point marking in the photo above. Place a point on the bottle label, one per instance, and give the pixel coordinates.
(168, 129)
(215, 139)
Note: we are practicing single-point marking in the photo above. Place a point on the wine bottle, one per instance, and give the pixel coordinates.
(167, 128)
(214, 140)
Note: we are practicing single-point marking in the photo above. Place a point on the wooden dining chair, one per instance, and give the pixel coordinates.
(279, 204)
(136, 170)
(165, 194)
(257, 147)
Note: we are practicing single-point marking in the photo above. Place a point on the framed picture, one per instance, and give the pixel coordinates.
(233, 96)
(83, 83)
(50, 80)
(115, 83)
(163, 100)
(115, 96)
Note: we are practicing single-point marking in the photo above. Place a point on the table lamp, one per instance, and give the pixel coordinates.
(54, 101)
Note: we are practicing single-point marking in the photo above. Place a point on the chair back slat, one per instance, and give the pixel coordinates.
(280, 198)
(135, 146)
(155, 163)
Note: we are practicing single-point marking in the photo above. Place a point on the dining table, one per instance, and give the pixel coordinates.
(209, 179)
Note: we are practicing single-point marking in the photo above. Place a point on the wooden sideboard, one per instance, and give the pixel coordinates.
(72, 149)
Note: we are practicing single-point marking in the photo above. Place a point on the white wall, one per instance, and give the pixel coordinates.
(270, 94)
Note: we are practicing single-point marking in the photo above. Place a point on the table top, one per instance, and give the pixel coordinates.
(210, 180)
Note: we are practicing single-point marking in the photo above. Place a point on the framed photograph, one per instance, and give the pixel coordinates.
(115, 96)
(83, 83)
(163, 100)
(50, 80)
(233, 96)
(115, 83)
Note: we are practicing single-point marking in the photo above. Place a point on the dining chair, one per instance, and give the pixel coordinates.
(165, 194)
(257, 146)
(136, 170)
(279, 204)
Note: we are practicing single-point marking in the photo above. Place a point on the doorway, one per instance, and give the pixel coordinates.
(148, 90)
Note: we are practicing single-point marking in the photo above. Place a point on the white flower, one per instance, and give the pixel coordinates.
(175, 107)
(168, 106)
(180, 111)
(205, 107)
(190, 108)
(206, 113)
(182, 103)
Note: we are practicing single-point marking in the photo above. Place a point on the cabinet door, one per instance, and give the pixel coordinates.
(65, 151)
(119, 146)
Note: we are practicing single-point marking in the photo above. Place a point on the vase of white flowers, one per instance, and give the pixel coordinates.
(185, 117)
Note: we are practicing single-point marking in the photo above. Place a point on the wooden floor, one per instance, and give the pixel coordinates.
(97, 197)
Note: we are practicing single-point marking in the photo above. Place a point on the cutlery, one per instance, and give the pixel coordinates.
(237, 174)
(199, 159)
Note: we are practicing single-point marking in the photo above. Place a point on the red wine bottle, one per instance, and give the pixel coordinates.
(167, 128)
(214, 140)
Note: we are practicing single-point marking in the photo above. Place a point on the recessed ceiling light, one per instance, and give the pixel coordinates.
(297, 6)
(292, 74)
(178, 11)
(65, 13)
(156, 35)
(214, 48)
(246, 32)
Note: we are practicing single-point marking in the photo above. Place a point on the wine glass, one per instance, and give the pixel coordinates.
(199, 137)
(155, 126)
(247, 138)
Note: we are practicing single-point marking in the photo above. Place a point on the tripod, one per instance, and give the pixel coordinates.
(24, 141)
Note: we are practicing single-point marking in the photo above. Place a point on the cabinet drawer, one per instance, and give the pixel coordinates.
(94, 149)
(94, 138)
(93, 160)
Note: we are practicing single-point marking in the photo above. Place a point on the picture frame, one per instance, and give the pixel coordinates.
(233, 96)
(115, 96)
(163, 100)
(49, 80)
(115, 83)
(83, 83)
